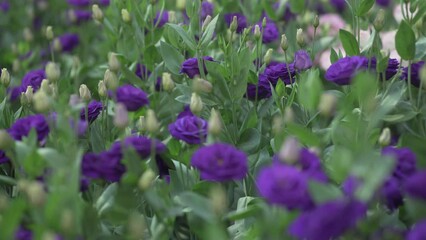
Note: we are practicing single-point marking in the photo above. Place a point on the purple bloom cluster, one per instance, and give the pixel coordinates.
(32, 78)
(132, 97)
(161, 18)
(93, 110)
(262, 90)
(189, 128)
(68, 41)
(143, 73)
(190, 66)
(415, 73)
(4, 6)
(283, 71)
(22, 127)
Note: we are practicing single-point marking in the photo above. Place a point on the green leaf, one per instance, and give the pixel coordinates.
(333, 56)
(322, 192)
(349, 43)
(172, 57)
(249, 140)
(304, 134)
(297, 6)
(310, 90)
(189, 41)
(405, 41)
(364, 7)
(208, 32)
(198, 205)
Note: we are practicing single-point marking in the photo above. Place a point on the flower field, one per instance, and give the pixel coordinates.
(212, 119)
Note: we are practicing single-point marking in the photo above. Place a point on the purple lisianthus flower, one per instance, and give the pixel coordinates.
(4, 6)
(302, 60)
(132, 97)
(3, 157)
(350, 185)
(104, 2)
(414, 185)
(93, 110)
(69, 41)
(342, 71)
(280, 71)
(190, 66)
(241, 20)
(23, 233)
(22, 127)
(339, 5)
(383, 3)
(141, 71)
(79, 3)
(161, 18)
(142, 145)
(329, 220)
(105, 165)
(263, 89)
(33, 78)
(405, 161)
(206, 10)
(415, 73)
(392, 68)
(79, 16)
(220, 162)
(418, 232)
(284, 185)
(14, 93)
(190, 129)
(391, 193)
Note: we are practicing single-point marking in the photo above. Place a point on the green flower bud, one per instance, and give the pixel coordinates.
(385, 137)
(327, 104)
(200, 85)
(215, 124)
(52, 71)
(196, 104)
(152, 124)
(28, 35)
(284, 42)
(300, 38)
(379, 20)
(85, 93)
(111, 80)
(146, 180)
(49, 33)
(41, 102)
(36, 194)
(102, 89)
(316, 21)
(6, 141)
(121, 116)
(234, 24)
(167, 82)
(125, 15)
(5, 77)
(268, 56)
(257, 33)
(206, 23)
(290, 151)
(97, 13)
(113, 63)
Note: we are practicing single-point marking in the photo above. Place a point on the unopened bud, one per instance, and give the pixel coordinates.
(234, 24)
(97, 13)
(277, 124)
(201, 85)
(215, 125)
(141, 124)
(423, 76)
(125, 15)
(136, 227)
(284, 42)
(327, 104)
(206, 22)
(102, 89)
(181, 4)
(268, 56)
(45, 87)
(67, 220)
(264, 21)
(36, 194)
(57, 46)
(113, 63)
(290, 151)
(172, 17)
(316, 21)
(27, 97)
(41, 102)
(52, 72)
(167, 82)
(74, 100)
(121, 116)
(146, 180)
(257, 33)
(385, 137)
(49, 33)
(379, 20)
(5, 77)
(300, 38)
(111, 80)
(196, 104)
(288, 115)
(85, 93)
(6, 141)
(28, 35)
(152, 124)
(218, 200)
(16, 65)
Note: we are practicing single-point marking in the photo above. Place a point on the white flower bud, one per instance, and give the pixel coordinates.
(300, 38)
(215, 124)
(5, 77)
(49, 33)
(27, 97)
(141, 124)
(181, 4)
(200, 85)
(257, 34)
(284, 42)
(6, 141)
(268, 56)
(288, 115)
(41, 102)
(97, 13)
(290, 151)
(67, 220)
(53, 72)
(146, 180)
(102, 89)
(85, 93)
(167, 82)
(111, 80)
(16, 65)
(125, 15)
(36, 194)
(218, 200)
(327, 104)
(113, 63)
(385, 137)
(121, 116)
(45, 87)
(277, 124)
(206, 22)
(28, 35)
(196, 104)
(316, 21)
(136, 227)
(152, 124)
(234, 24)
(172, 17)
(57, 46)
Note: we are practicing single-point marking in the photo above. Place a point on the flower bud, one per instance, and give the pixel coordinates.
(121, 116)
(102, 89)
(45, 87)
(316, 21)
(136, 227)
(146, 180)
(27, 97)
(264, 21)
(257, 33)
(290, 151)
(125, 15)
(200, 85)
(167, 82)
(423, 76)
(379, 20)
(28, 35)
(181, 4)
(215, 125)
(5, 77)
(327, 104)
(172, 17)
(218, 200)
(385, 137)
(152, 124)
(97, 13)
(67, 220)
(57, 46)
(206, 22)
(41, 102)
(74, 100)
(111, 80)
(36, 194)
(49, 33)
(234, 24)
(49, 236)
(196, 104)
(268, 56)
(6, 141)
(277, 124)
(141, 124)
(288, 115)
(113, 63)
(284, 42)
(85, 93)
(300, 38)
(52, 72)
(16, 65)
